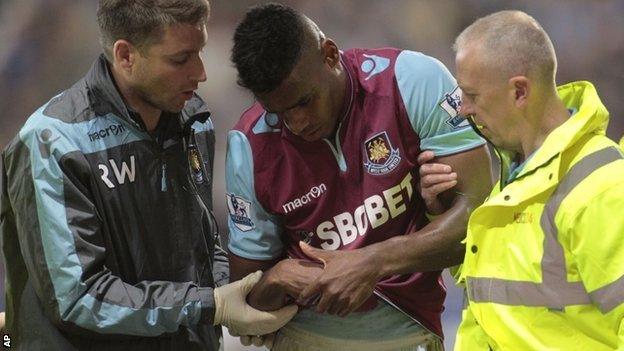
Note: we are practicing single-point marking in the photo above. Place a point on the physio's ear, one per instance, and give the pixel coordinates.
(124, 55)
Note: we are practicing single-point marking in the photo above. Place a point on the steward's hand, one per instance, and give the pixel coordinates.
(233, 312)
(348, 279)
(435, 178)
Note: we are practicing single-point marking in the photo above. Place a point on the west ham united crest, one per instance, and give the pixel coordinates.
(381, 158)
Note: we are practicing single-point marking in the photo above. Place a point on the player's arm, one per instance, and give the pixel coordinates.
(255, 235)
(431, 98)
(281, 283)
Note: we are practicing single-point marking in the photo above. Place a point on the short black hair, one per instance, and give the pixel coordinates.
(267, 45)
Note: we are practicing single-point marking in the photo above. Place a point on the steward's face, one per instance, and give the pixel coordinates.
(486, 97)
(168, 72)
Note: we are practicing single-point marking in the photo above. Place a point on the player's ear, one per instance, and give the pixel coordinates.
(331, 53)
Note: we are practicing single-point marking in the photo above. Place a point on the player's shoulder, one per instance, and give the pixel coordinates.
(249, 118)
(373, 69)
(379, 69)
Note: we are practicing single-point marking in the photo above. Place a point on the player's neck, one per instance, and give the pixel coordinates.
(342, 98)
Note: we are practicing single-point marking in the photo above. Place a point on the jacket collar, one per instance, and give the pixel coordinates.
(591, 117)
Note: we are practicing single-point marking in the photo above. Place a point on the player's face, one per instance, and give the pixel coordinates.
(486, 97)
(166, 73)
(307, 101)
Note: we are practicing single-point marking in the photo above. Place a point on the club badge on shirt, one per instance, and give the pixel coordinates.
(239, 209)
(381, 158)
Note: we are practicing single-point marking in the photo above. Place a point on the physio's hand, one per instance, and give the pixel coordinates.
(435, 178)
(256, 340)
(233, 312)
(2, 321)
(348, 279)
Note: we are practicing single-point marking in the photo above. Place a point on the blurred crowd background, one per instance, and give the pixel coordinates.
(46, 45)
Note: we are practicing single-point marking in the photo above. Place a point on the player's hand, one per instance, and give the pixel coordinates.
(2, 321)
(348, 279)
(233, 312)
(435, 178)
(256, 340)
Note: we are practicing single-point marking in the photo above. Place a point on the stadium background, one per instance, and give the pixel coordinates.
(46, 45)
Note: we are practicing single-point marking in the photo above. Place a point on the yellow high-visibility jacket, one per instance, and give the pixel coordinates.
(544, 264)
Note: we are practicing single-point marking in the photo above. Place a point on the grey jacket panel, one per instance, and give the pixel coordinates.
(107, 231)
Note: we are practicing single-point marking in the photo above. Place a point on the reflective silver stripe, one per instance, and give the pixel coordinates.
(519, 293)
(609, 296)
(555, 291)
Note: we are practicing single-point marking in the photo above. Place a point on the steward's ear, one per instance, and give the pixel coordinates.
(521, 87)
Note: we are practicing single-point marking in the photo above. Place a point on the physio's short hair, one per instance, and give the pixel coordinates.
(267, 45)
(142, 22)
(513, 42)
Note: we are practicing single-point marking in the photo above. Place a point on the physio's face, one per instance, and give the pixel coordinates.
(485, 96)
(166, 73)
(306, 100)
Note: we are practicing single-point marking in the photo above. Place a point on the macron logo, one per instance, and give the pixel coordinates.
(374, 65)
(315, 192)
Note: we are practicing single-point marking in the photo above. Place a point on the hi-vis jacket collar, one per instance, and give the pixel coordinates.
(591, 118)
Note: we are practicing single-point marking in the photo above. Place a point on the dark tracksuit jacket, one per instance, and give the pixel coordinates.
(107, 231)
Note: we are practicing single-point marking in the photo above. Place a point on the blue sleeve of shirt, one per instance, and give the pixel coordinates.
(254, 233)
(432, 99)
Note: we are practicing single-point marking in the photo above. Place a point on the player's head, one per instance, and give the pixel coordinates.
(506, 69)
(284, 59)
(154, 46)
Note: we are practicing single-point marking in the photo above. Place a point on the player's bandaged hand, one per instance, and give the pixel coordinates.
(233, 312)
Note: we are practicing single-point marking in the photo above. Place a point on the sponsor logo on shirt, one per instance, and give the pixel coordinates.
(44, 140)
(314, 193)
(374, 65)
(239, 209)
(376, 210)
(114, 129)
(451, 104)
(381, 158)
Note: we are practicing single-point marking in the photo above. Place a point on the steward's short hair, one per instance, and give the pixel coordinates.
(267, 45)
(142, 22)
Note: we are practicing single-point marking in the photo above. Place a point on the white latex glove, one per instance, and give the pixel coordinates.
(258, 340)
(233, 312)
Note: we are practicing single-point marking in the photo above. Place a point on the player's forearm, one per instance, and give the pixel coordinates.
(268, 295)
(434, 247)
